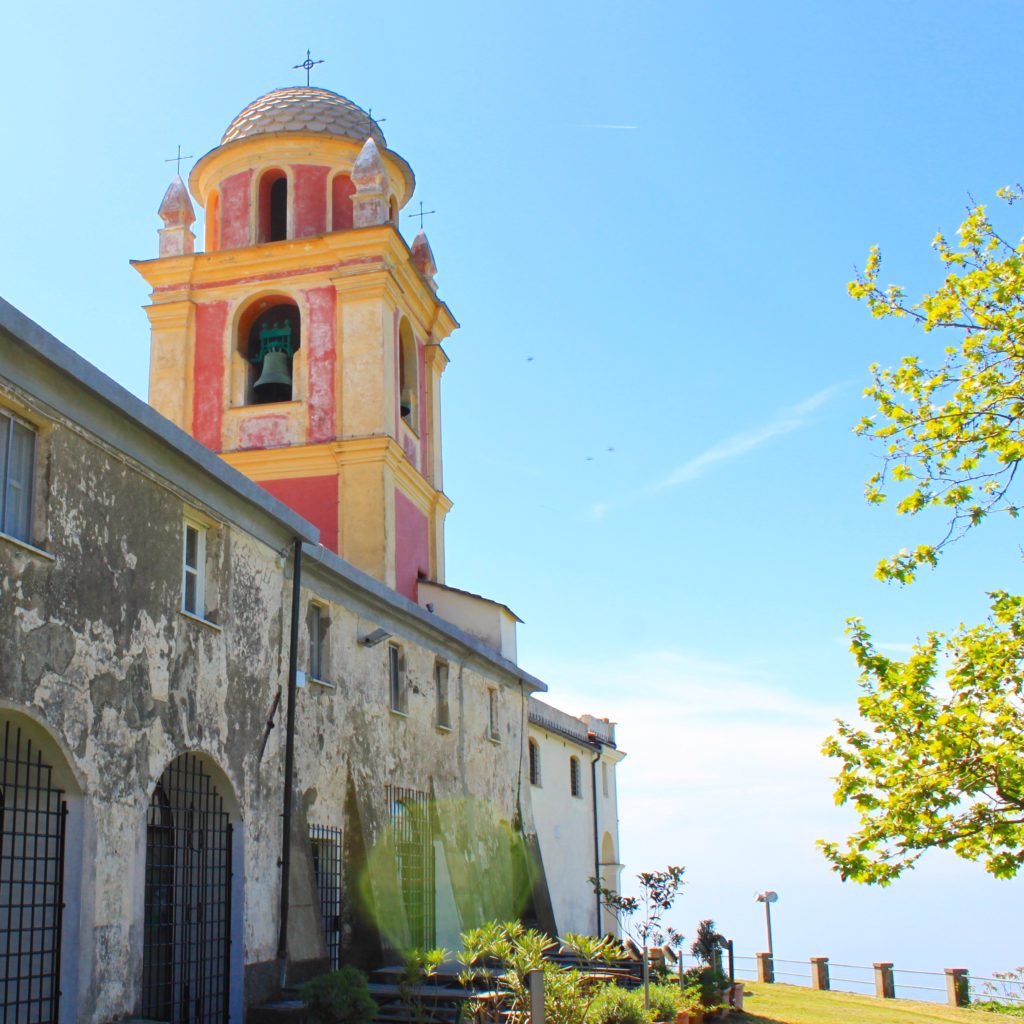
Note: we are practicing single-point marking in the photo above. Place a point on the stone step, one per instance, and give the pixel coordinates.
(282, 1011)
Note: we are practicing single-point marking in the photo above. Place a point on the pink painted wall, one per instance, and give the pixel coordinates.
(269, 431)
(208, 382)
(342, 191)
(412, 546)
(310, 206)
(320, 358)
(234, 210)
(313, 497)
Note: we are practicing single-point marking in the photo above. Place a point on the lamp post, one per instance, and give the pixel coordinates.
(768, 898)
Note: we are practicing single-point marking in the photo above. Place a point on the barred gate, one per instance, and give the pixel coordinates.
(187, 938)
(326, 847)
(33, 823)
(412, 824)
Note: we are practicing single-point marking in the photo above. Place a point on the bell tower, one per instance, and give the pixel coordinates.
(304, 344)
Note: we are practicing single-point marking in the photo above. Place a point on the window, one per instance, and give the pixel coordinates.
(193, 570)
(273, 207)
(574, 777)
(318, 623)
(492, 715)
(604, 778)
(408, 378)
(17, 466)
(396, 676)
(534, 763)
(444, 718)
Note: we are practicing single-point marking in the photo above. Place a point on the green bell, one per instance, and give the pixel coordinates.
(275, 372)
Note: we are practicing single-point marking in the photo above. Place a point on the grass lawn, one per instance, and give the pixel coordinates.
(789, 1004)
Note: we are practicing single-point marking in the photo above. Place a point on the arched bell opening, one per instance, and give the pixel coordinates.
(393, 211)
(193, 896)
(41, 864)
(408, 376)
(269, 335)
(272, 207)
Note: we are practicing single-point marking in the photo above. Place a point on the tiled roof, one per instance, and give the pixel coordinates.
(304, 109)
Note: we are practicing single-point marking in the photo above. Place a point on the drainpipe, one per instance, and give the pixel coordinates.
(597, 848)
(289, 767)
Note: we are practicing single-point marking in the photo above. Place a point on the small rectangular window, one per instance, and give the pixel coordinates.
(193, 570)
(492, 715)
(318, 622)
(444, 719)
(534, 762)
(604, 778)
(17, 477)
(396, 676)
(574, 777)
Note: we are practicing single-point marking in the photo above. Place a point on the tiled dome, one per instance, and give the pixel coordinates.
(304, 109)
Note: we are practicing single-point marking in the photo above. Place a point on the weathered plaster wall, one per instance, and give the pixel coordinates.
(94, 648)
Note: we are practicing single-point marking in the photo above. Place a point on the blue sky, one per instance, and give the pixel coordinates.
(646, 218)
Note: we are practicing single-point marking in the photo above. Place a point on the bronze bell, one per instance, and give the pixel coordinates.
(275, 372)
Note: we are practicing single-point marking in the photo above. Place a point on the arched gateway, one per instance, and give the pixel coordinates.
(187, 940)
(33, 823)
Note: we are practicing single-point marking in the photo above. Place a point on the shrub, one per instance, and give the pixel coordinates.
(666, 1001)
(615, 1005)
(341, 997)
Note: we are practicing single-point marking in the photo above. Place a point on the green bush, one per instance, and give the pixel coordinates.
(615, 1005)
(341, 997)
(707, 984)
(666, 1001)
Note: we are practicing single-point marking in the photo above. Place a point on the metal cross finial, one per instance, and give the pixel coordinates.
(177, 160)
(307, 65)
(423, 213)
(378, 121)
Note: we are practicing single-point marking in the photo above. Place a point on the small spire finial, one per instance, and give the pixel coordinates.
(177, 160)
(307, 65)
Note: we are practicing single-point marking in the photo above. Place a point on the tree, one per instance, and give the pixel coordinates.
(938, 761)
(658, 891)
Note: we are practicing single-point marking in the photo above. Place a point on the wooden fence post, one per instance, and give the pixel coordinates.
(819, 973)
(765, 968)
(957, 986)
(535, 981)
(885, 987)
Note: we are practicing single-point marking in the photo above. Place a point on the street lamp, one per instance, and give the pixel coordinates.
(768, 898)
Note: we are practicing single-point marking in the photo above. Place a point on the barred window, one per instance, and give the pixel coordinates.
(534, 763)
(17, 477)
(574, 777)
(396, 677)
(444, 718)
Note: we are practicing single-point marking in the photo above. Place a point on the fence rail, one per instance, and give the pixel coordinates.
(956, 985)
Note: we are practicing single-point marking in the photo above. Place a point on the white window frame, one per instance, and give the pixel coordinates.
(396, 680)
(533, 758)
(5, 480)
(493, 731)
(442, 681)
(319, 649)
(198, 571)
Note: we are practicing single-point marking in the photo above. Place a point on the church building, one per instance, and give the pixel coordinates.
(248, 732)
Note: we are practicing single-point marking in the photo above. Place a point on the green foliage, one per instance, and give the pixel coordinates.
(953, 431)
(568, 994)
(939, 766)
(341, 997)
(417, 967)
(704, 986)
(667, 1001)
(615, 1005)
(707, 943)
(934, 762)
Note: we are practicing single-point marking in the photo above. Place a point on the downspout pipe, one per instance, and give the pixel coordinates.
(289, 767)
(599, 750)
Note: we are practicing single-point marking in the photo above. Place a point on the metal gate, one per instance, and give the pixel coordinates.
(326, 846)
(33, 820)
(412, 825)
(187, 940)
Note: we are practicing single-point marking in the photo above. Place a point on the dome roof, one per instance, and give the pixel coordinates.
(304, 109)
